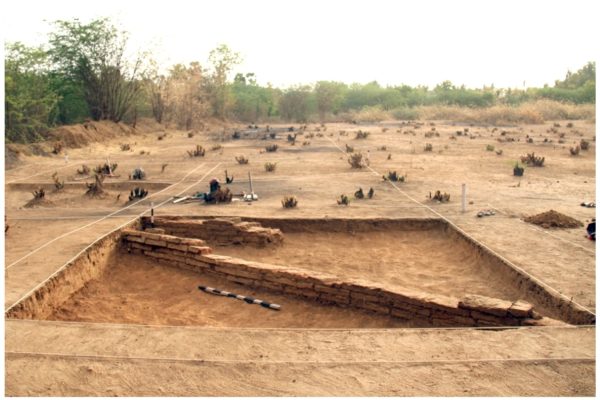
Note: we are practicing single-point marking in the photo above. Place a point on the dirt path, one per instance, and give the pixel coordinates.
(113, 360)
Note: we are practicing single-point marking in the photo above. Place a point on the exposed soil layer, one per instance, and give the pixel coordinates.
(553, 219)
(136, 290)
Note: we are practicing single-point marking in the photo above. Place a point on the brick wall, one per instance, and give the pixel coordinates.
(221, 231)
(472, 310)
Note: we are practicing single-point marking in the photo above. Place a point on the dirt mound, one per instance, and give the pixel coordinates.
(553, 219)
(11, 157)
(80, 135)
(39, 202)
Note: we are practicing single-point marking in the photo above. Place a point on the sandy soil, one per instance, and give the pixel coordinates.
(190, 361)
(138, 291)
(425, 261)
(317, 175)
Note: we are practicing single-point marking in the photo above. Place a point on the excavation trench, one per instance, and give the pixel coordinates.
(324, 273)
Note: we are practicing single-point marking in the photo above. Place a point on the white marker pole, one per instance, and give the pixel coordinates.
(152, 213)
(250, 180)
(463, 203)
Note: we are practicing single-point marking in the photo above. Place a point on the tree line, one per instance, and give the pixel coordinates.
(86, 72)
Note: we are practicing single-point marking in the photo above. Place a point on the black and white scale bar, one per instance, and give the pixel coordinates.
(247, 299)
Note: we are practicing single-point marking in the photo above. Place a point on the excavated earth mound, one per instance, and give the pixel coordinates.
(553, 219)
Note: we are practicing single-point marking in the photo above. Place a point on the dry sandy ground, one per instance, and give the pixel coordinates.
(125, 360)
(420, 260)
(317, 174)
(139, 291)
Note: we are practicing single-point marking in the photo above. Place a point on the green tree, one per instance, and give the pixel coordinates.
(222, 59)
(93, 55)
(252, 101)
(329, 96)
(584, 76)
(295, 104)
(30, 103)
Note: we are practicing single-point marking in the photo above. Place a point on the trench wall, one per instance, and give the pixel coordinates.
(70, 278)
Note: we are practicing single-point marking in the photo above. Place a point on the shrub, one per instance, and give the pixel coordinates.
(517, 170)
(39, 194)
(405, 113)
(372, 114)
(125, 147)
(349, 149)
(271, 148)
(57, 183)
(531, 159)
(362, 134)
(199, 151)
(489, 147)
(95, 188)
(289, 202)
(242, 159)
(575, 150)
(344, 200)
(428, 147)
(356, 160)
(138, 174)
(270, 167)
(105, 169)
(137, 193)
(382, 148)
(394, 177)
(359, 194)
(216, 147)
(85, 170)
(584, 144)
(439, 196)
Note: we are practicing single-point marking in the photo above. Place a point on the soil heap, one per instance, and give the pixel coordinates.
(553, 219)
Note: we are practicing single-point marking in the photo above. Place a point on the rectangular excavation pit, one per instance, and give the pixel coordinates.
(131, 289)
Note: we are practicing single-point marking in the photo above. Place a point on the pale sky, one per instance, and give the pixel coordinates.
(425, 42)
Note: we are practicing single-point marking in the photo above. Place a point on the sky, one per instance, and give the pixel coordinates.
(506, 43)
